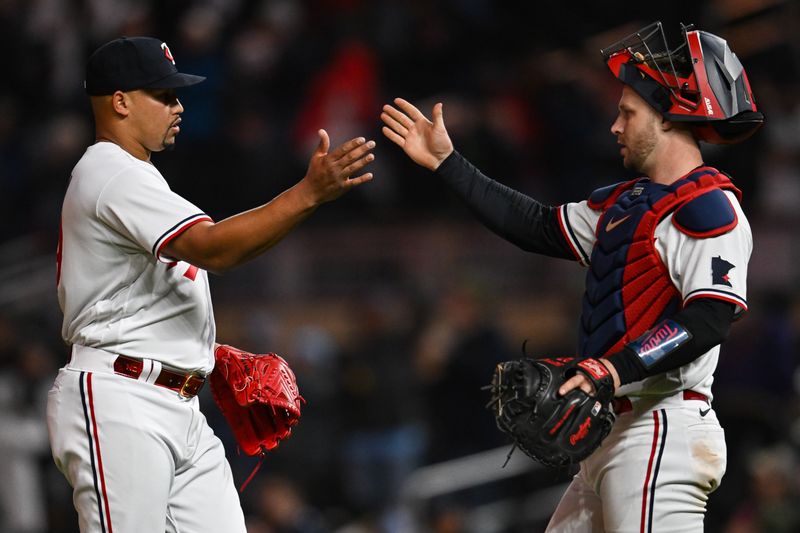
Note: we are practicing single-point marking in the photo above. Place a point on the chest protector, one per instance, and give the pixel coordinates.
(628, 287)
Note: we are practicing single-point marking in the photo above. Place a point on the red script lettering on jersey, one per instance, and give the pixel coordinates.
(59, 249)
(191, 272)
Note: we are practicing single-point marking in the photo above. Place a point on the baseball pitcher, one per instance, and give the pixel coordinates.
(125, 427)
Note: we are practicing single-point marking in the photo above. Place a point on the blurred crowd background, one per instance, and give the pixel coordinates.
(393, 304)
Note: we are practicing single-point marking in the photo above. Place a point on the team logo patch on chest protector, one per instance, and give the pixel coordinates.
(628, 287)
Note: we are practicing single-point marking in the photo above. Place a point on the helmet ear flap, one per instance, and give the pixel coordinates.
(731, 131)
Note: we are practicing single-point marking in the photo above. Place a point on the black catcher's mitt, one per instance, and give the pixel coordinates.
(553, 429)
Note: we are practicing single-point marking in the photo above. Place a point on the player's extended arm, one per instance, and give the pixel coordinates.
(237, 239)
(512, 215)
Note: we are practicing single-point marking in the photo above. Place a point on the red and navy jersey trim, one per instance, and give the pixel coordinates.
(176, 230)
(718, 294)
(570, 237)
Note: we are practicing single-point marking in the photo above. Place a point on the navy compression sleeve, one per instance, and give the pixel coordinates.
(698, 327)
(512, 215)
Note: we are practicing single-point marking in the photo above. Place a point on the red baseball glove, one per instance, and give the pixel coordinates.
(258, 395)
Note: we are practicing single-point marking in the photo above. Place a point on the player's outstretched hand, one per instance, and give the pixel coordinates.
(331, 173)
(426, 143)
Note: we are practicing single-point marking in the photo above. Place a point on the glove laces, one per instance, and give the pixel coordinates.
(253, 473)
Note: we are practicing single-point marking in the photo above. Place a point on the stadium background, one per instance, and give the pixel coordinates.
(392, 303)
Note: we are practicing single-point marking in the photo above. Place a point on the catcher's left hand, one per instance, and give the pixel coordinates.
(258, 395)
(426, 143)
(555, 430)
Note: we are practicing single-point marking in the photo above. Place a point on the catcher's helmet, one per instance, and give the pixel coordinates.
(701, 81)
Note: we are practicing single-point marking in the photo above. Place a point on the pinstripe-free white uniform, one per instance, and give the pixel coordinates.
(688, 261)
(667, 453)
(115, 288)
(138, 456)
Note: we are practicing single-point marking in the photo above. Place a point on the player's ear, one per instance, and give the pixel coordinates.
(120, 102)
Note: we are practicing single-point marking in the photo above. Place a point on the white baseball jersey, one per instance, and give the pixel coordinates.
(667, 452)
(689, 262)
(117, 291)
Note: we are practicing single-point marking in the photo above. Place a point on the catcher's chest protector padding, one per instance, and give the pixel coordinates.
(628, 287)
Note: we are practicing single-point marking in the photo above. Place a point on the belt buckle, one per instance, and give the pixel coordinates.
(182, 392)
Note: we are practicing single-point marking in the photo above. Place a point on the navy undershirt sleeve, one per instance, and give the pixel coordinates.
(512, 215)
(708, 320)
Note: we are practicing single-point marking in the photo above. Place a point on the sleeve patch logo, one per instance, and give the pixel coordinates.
(719, 271)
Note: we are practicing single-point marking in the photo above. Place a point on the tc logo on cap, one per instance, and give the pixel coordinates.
(167, 53)
(131, 63)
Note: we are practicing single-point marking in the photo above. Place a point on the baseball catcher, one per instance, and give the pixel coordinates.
(556, 430)
(667, 256)
(258, 395)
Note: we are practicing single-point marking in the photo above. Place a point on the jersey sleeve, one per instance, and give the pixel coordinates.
(714, 267)
(141, 207)
(512, 215)
(578, 224)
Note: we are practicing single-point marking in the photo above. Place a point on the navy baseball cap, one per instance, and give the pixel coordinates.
(131, 63)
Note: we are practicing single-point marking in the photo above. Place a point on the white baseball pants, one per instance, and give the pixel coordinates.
(138, 456)
(653, 473)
